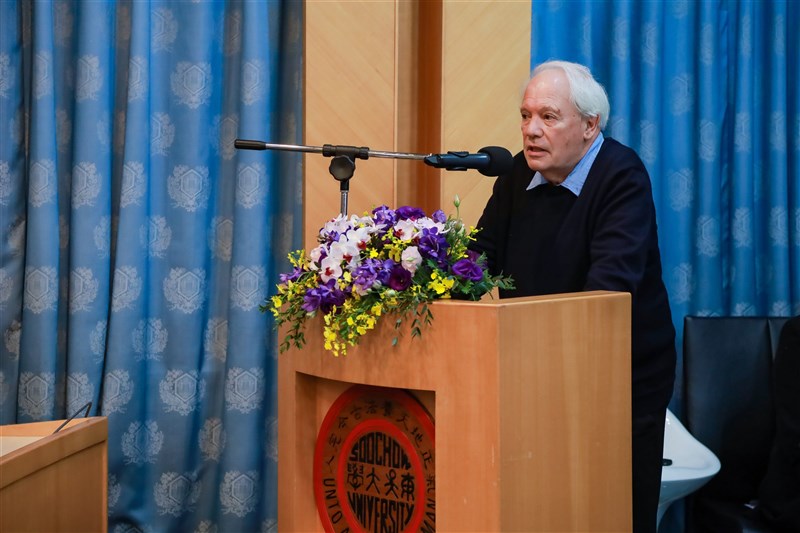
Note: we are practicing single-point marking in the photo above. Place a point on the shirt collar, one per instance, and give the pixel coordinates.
(575, 179)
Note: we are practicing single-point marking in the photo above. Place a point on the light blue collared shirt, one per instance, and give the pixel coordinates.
(575, 179)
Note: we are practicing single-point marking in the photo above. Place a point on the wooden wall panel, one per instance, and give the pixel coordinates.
(417, 77)
(349, 100)
(485, 63)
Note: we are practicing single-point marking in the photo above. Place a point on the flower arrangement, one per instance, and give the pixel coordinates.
(384, 262)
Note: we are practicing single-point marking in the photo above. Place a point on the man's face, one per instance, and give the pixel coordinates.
(554, 134)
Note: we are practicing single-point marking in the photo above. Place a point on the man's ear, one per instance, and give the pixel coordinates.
(592, 125)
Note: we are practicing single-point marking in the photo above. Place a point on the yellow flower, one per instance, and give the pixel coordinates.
(436, 286)
(346, 324)
(441, 285)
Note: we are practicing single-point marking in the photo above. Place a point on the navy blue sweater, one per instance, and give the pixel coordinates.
(552, 242)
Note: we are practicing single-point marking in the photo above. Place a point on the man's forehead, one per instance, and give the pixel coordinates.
(545, 103)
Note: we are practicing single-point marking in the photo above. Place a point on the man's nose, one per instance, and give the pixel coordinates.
(532, 128)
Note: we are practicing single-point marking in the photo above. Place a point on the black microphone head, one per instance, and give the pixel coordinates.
(500, 161)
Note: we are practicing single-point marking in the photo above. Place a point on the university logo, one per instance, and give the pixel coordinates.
(374, 464)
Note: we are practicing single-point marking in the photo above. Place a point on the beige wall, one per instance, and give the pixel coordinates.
(410, 76)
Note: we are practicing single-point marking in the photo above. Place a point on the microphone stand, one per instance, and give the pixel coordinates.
(342, 165)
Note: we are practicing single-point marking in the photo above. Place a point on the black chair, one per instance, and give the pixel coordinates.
(729, 407)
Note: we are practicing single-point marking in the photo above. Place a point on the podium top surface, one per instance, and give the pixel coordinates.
(9, 443)
(37, 446)
(488, 301)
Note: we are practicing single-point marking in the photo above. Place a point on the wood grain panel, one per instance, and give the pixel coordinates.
(57, 483)
(417, 77)
(349, 100)
(532, 417)
(485, 62)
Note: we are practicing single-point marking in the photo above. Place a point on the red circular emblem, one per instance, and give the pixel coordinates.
(374, 463)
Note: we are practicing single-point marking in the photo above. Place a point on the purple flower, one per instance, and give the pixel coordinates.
(323, 297)
(384, 215)
(367, 274)
(468, 269)
(433, 245)
(327, 237)
(409, 213)
(292, 276)
(335, 297)
(399, 278)
(385, 271)
(439, 216)
(312, 300)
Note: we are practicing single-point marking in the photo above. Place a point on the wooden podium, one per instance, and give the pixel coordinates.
(531, 401)
(54, 482)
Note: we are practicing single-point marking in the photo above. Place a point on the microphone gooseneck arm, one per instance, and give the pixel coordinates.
(489, 161)
(328, 150)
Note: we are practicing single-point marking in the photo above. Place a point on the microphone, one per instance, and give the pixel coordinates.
(489, 161)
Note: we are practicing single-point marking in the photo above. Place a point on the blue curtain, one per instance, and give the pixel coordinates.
(137, 243)
(708, 93)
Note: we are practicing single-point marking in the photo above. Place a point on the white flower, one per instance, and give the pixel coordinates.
(360, 236)
(315, 255)
(411, 259)
(338, 225)
(344, 250)
(427, 222)
(405, 230)
(330, 269)
(357, 221)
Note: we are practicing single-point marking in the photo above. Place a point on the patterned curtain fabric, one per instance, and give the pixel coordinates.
(708, 93)
(137, 243)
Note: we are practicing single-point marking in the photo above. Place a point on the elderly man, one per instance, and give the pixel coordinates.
(576, 213)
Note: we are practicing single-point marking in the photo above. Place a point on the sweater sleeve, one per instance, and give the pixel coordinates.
(624, 232)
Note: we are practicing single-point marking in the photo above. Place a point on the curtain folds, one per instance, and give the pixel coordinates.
(137, 243)
(708, 93)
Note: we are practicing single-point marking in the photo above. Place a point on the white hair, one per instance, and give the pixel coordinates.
(588, 96)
